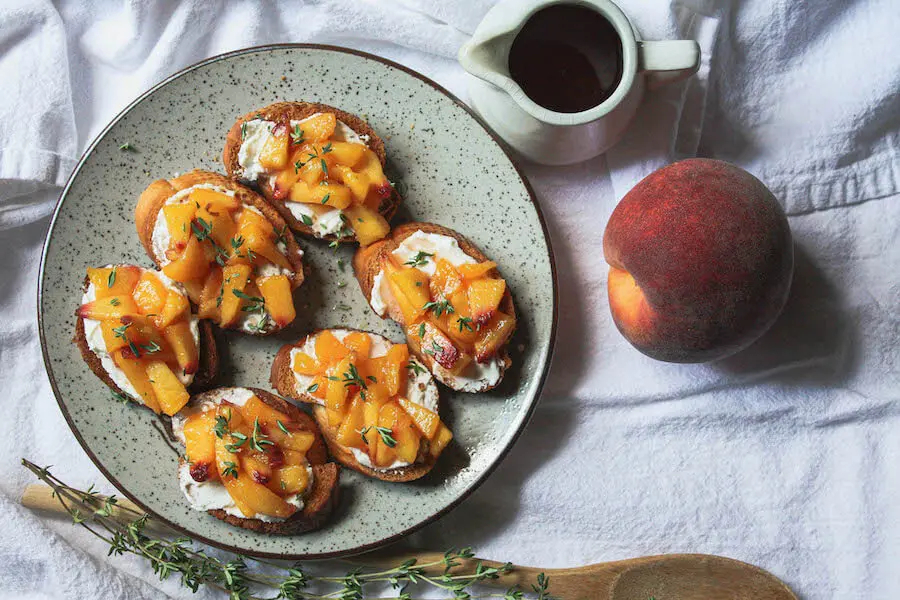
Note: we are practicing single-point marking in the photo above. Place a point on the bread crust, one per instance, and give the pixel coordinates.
(319, 503)
(367, 263)
(157, 193)
(203, 378)
(296, 111)
(282, 379)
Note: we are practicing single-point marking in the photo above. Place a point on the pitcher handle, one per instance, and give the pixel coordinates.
(669, 61)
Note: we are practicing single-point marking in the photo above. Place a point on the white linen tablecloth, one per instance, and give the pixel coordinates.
(785, 455)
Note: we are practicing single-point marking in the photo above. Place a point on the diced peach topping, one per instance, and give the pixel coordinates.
(212, 232)
(113, 281)
(150, 294)
(310, 167)
(146, 330)
(365, 397)
(257, 452)
(452, 317)
(170, 392)
(276, 291)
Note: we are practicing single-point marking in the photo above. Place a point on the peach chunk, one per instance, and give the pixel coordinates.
(214, 201)
(234, 279)
(484, 298)
(319, 128)
(255, 409)
(348, 433)
(258, 237)
(211, 296)
(191, 264)
(200, 445)
(111, 307)
(274, 153)
(358, 341)
(493, 335)
(412, 284)
(295, 440)
(170, 392)
(440, 439)
(370, 421)
(181, 339)
(387, 419)
(253, 498)
(347, 153)
(284, 181)
(329, 349)
(313, 172)
(407, 436)
(276, 291)
(336, 393)
(219, 225)
(370, 167)
(335, 195)
(114, 334)
(393, 369)
(368, 225)
(426, 420)
(108, 284)
(459, 324)
(358, 183)
(178, 222)
(304, 364)
(290, 479)
(136, 373)
(150, 294)
(175, 308)
(446, 279)
(439, 347)
(477, 270)
(257, 466)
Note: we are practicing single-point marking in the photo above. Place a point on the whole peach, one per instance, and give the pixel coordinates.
(701, 260)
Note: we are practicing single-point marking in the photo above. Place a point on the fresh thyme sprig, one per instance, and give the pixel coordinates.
(420, 259)
(256, 304)
(439, 307)
(128, 531)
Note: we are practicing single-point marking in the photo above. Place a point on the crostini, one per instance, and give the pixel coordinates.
(321, 167)
(457, 311)
(255, 461)
(229, 248)
(376, 406)
(136, 332)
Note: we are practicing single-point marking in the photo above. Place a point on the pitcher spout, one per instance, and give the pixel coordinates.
(488, 57)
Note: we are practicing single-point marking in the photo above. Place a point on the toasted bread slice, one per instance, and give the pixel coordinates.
(318, 502)
(203, 378)
(284, 112)
(282, 379)
(368, 262)
(154, 198)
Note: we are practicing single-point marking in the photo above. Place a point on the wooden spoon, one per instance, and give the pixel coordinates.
(664, 577)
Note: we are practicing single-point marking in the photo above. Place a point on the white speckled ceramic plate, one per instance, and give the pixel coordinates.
(453, 172)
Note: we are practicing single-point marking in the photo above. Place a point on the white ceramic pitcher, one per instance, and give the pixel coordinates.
(557, 138)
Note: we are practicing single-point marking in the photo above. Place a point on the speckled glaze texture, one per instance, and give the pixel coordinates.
(451, 171)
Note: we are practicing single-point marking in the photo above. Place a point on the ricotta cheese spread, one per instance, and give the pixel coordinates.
(257, 132)
(476, 374)
(94, 336)
(420, 386)
(248, 322)
(212, 495)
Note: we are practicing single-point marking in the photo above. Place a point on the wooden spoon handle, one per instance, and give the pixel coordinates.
(433, 564)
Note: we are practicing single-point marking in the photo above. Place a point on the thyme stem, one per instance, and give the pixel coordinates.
(123, 529)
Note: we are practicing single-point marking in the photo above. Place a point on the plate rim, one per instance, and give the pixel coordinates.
(477, 482)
